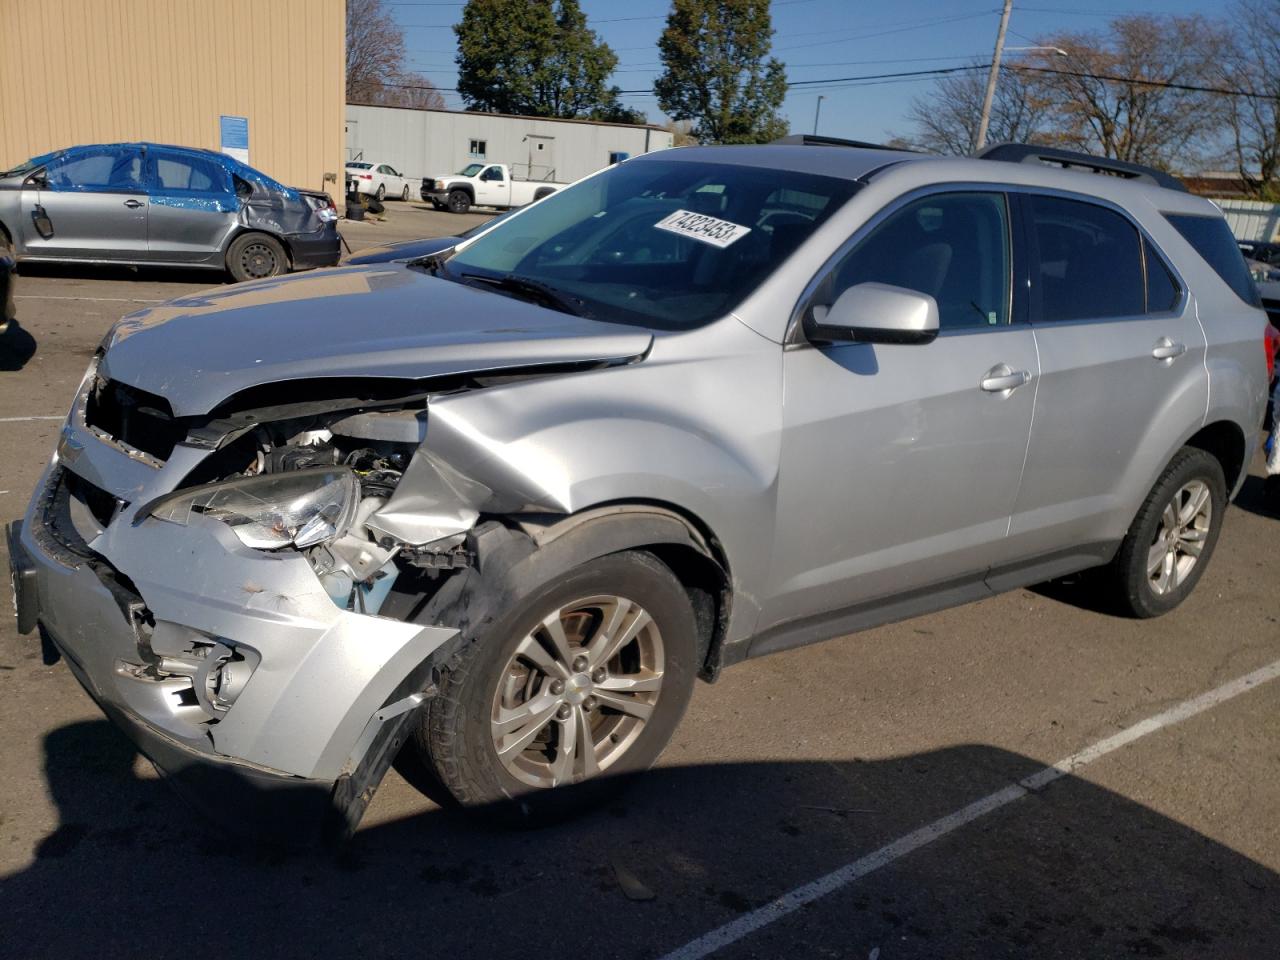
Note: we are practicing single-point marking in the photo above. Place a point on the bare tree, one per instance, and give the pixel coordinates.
(1129, 119)
(946, 120)
(1249, 62)
(376, 70)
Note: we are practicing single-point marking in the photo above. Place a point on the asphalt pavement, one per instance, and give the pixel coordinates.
(883, 795)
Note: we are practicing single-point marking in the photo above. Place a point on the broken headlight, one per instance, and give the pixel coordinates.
(300, 508)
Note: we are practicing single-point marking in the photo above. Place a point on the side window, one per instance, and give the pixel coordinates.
(952, 246)
(1212, 239)
(189, 175)
(493, 173)
(384, 169)
(1162, 289)
(1090, 261)
(109, 169)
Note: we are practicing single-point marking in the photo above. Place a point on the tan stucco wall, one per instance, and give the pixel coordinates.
(102, 71)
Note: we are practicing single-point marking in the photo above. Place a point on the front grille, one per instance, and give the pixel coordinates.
(134, 417)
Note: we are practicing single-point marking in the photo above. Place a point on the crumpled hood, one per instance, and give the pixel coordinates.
(387, 320)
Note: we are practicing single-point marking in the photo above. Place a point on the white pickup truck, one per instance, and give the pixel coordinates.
(483, 185)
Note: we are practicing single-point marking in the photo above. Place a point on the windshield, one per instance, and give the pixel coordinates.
(661, 243)
(359, 166)
(471, 169)
(28, 165)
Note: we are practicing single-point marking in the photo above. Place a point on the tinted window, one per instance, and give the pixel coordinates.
(1162, 289)
(190, 173)
(1213, 240)
(1090, 261)
(106, 169)
(660, 243)
(954, 247)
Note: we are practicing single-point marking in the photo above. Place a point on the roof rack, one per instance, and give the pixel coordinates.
(813, 140)
(1030, 153)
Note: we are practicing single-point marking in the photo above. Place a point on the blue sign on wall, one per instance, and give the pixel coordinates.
(235, 137)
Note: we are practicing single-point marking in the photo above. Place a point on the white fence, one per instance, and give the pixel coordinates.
(1251, 219)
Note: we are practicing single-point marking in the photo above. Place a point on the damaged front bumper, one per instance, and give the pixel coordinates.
(232, 670)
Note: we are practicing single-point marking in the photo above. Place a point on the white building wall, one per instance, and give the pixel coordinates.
(421, 143)
(1251, 219)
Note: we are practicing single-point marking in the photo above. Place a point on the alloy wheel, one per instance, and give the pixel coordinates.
(577, 691)
(1180, 537)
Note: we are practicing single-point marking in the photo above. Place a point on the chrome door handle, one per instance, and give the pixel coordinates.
(133, 204)
(1166, 349)
(1001, 378)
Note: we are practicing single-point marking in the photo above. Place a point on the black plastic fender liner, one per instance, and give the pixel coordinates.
(512, 563)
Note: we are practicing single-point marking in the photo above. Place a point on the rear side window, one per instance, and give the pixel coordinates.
(1162, 289)
(1214, 242)
(1089, 264)
(190, 174)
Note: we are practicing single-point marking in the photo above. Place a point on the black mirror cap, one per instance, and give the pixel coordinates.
(824, 334)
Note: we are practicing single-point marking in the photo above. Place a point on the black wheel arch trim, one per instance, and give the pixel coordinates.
(516, 557)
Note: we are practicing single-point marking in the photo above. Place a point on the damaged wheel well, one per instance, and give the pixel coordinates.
(516, 555)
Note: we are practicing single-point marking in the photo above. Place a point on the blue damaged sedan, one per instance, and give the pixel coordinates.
(156, 205)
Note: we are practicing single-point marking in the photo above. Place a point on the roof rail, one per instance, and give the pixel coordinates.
(813, 140)
(1030, 153)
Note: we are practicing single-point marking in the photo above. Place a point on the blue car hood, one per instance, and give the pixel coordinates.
(385, 321)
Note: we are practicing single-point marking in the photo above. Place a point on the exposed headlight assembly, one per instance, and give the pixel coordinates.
(299, 508)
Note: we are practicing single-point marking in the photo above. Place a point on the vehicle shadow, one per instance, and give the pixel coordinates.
(110, 271)
(17, 346)
(1252, 499)
(1070, 871)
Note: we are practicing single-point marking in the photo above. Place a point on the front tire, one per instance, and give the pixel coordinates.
(256, 256)
(578, 683)
(1172, 537)
(459, 201)
(404, 195)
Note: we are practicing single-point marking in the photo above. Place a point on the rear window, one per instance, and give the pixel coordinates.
(1213, 240)
(359, 166)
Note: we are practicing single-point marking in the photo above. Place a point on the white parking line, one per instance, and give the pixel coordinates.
(44, 296)
(28, 419)
(788, 903)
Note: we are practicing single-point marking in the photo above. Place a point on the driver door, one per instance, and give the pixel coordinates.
(96, 205)
(492, 190)
(901, 463)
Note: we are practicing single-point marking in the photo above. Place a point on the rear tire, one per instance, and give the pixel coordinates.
(459, 201)
(381, 192)
(530, 730)
(256, 256)
(1172, 538)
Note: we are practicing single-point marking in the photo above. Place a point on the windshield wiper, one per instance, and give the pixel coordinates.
(534, 289)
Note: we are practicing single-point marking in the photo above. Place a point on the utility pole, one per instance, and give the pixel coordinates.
(816, 111)
(981, 140)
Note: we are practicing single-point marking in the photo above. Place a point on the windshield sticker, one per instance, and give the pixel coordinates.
(718, 233)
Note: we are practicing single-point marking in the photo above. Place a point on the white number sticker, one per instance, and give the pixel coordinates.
(718, 233)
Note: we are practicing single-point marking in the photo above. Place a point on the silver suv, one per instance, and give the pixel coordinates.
(508, 502)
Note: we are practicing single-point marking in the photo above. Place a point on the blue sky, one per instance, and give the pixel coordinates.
(817, 40)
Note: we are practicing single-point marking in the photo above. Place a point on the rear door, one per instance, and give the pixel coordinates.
(1121, 374)
(193, 207)
(91, 204)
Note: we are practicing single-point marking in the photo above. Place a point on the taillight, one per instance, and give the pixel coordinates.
(1271, 343)
(365, 176)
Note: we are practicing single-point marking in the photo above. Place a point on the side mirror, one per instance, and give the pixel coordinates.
(875, 313)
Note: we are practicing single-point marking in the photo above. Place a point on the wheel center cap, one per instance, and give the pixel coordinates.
(577, 687)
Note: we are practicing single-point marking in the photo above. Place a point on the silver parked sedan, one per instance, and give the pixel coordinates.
(151, 204)
(508, 503)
